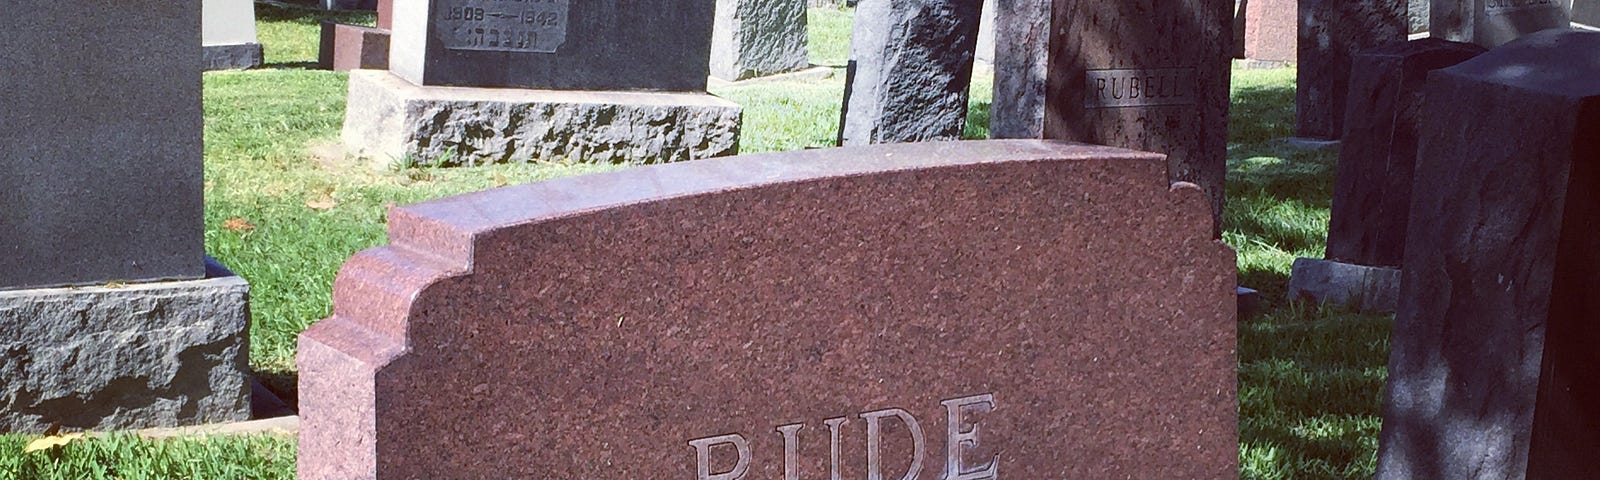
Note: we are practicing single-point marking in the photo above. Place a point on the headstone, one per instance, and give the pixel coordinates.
(953, 310)
(1331, 32)
(986, 30)
(1118, 78)
(1491, 372)
(100, 183)
(1022, 63)
(1586, 12)
(1372, 187)
(755, 38)
(1417, 16)
(481, 81)
(229, 34)
(1269, 34)
(347, 47)
(910, 67)
(1494, 22)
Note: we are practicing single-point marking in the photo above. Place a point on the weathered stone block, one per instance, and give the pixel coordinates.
(1022, 65)
(1493, 358)
(1491, 23)
(351, 47)
(1372, 185)
(910, 67)
(1363, 288)
(392, 119)
(1331, 32)
(754, 38)
(242, 56)
(120, 357)
(100, 143)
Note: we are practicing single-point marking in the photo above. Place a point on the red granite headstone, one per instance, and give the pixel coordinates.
(1493, 365)
(1015, 309)
(351, 47)
(1269, 34)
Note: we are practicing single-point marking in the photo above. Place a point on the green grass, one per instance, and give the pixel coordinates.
(284, 209)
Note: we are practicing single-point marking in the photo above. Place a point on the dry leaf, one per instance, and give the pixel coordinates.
(50, 442)
(500, 180)
(238, 224)
(322, 202)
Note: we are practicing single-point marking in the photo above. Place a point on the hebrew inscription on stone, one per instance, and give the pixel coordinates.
(533, 26)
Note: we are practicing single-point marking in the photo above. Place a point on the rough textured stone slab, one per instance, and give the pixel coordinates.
(144, 355)
(1022, 65)
(1064, 304)
(1364, 288)
(658, 45)
(1491, 373)
(1372, 186)
(352, 47)
(391, 119)
(1270, 30)
(100, 157)
(756, 38)
(1417, 15)
(1494, 22)
(910, 67)
(1127, 46)
(232, 57)
(1331, 32)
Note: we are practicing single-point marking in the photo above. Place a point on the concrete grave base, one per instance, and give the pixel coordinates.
(1366, 289)
(353, 47)
(391, 119)
(241, 56)
(145, 355)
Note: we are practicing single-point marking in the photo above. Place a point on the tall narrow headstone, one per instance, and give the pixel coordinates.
(754, 38)
(1372, 185)
(486, 81)
(350, 47)
(910, 66)
(986, 33)
(108, 313)
(1331, 32)
(1492, 372)
(1118, 77)
(1270, 27)
(947, 310)
(1022, 63)
(229, 34)
(1493, 22)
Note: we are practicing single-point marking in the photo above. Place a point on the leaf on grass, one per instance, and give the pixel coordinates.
(322, 203)
(53, 441)
(238, 224)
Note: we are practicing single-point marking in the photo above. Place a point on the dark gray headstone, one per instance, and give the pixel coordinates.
(1494, 22)
(100, 159)
(1022, 62)
(1586, 12)
(910, 66)
(1147, 75)
(1372, 188)
(658, 45)
(754, 38)
(1331, 31)
(1493, 368)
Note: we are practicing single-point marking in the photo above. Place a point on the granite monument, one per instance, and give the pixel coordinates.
(756, 38)
(910, 68)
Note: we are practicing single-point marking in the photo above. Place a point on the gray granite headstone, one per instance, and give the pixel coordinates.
(655, 45)
(1586, 12)
(1492, 369)
(1331, 31)
(1148, 75)
(1022, 63)
(754, 38)
(910, 66)
(1494, 22)
(100, 168)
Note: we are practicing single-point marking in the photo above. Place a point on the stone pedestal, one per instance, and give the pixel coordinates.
(391, 119)
(1492, 362)
(1359, 287)
(1330, 33)
(756, 38)
(125, 356)
(228, 32)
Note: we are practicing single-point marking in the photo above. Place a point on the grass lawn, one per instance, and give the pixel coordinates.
(284, 209)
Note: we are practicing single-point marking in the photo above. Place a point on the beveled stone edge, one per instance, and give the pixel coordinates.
(412, 92)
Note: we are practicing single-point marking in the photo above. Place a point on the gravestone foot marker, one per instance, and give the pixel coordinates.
(934, 310)
(1492, 372)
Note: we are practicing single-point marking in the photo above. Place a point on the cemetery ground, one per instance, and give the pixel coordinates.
(285, 208)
